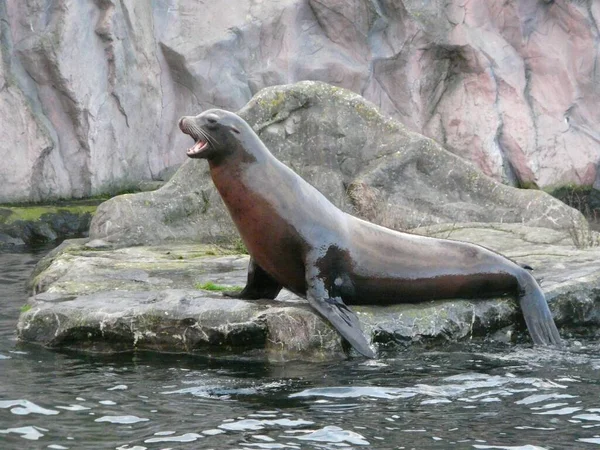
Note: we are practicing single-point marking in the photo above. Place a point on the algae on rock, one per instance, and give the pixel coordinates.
(42, 224)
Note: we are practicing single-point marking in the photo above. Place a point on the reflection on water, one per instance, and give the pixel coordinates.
(471, 396)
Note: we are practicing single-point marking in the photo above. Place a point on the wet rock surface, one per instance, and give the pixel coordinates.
(90, 296)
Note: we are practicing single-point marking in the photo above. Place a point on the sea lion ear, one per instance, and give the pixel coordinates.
(234, 129)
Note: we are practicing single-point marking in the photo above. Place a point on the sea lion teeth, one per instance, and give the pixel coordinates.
(197, 148)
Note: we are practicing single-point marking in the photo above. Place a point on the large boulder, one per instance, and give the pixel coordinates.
(40, 224)
(91, 298)
(363, 162)
(90, 91)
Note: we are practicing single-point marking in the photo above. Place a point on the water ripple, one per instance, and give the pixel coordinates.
(30, 433)
(254, 424)
(187, 437)
(73, 408)
(470, 382)
(542, 398)
(25, 407)
(356, 391)
(559, 412)
(124, 420)
(334, 435)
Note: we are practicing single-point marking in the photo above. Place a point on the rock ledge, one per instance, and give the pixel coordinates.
(95, 298)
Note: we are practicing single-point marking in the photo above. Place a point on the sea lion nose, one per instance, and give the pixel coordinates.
(182, 122)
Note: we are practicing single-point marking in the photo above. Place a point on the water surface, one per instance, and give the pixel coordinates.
(464, 396)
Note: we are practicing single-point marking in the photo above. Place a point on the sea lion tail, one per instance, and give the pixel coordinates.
(536, 312)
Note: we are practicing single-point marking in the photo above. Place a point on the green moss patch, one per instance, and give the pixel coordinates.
(210, 286)
(11, 214)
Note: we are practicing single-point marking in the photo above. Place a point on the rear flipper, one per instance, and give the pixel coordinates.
(259, 285)
(536, 312)
(339, 315)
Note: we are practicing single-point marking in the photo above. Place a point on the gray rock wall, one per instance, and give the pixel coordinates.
(90, 92)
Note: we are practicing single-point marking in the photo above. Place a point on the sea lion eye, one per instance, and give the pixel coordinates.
(212, 119)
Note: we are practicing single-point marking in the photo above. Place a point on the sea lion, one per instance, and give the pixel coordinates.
(299, 240)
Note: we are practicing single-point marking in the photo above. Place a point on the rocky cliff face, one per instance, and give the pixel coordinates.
(90, 92)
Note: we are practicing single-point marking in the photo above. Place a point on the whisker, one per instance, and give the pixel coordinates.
(211, 140)
(196, 132)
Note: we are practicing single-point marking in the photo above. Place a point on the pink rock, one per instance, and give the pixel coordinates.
(90, 92)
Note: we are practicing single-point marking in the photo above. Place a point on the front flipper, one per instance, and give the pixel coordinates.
(259, 285)
(339, 315)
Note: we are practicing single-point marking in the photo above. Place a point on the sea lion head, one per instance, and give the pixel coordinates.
(216, 133)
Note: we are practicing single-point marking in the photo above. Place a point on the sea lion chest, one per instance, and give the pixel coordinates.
(264, 213)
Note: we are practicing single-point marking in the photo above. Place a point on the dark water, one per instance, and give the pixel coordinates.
(466, 397)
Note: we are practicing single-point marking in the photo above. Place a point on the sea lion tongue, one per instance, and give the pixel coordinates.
(197, 148)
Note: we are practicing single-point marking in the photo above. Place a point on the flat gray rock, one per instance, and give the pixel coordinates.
(93, 298)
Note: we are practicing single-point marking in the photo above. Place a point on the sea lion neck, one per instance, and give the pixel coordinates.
(247, 148)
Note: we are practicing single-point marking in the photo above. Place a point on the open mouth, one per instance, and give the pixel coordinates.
(198, 148)
(188, 126)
